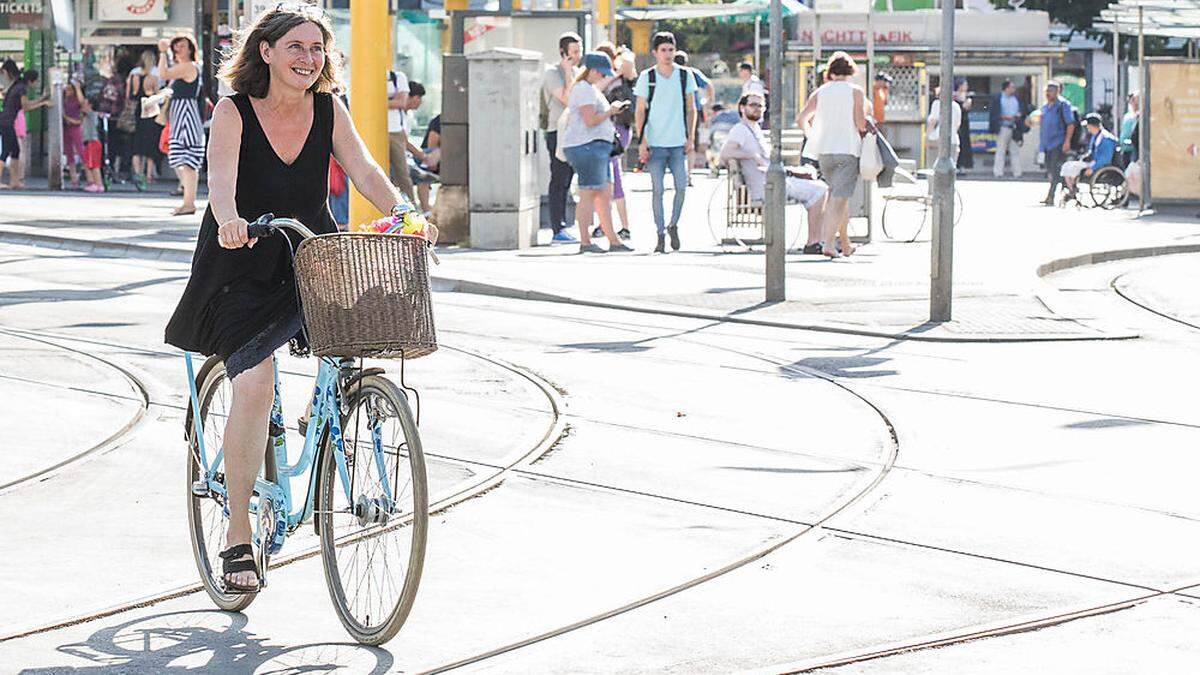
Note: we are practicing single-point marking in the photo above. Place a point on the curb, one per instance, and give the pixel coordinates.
(1061, 264)
(450, 284)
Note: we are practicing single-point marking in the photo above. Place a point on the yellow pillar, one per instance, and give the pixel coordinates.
(639, 32)
(604, 16)
(368, 90)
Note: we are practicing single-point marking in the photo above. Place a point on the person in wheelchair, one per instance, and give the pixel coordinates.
(747, 144)
(1102, 152)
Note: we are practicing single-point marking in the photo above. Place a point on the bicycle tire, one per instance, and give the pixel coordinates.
(206, 532)
(336, 538)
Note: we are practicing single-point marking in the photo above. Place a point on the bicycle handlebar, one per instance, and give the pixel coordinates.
(267, 224)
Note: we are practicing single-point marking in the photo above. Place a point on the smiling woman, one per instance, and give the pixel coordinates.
(268, 152)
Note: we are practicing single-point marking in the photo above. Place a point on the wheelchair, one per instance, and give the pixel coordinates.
(1105, 189)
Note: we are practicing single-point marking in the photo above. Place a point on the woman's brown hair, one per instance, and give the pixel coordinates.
(245, 71)
(840, 63)
(191, 43)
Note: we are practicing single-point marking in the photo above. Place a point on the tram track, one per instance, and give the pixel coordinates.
(123, 434)
(1115, 285)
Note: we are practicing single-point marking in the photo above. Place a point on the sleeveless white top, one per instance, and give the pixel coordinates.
(833, 125)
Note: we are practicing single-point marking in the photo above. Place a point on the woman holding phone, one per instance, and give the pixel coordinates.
(587, 143)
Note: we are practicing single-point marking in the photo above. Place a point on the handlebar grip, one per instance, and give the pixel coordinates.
(261, 227)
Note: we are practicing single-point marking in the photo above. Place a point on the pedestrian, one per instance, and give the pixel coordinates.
(751, 84)
(933, 122)
(429, 170)
(665, 123)
(587, 143)
(93, 151)
(837, 113)
(1129, 128)
(414, 156)
(966, 153)
(141, 85)
(186, 145)
(1057, 126)
(16, 102)
(398, 92)
(339, 184)
(240, 301)
(747, 144)
(880, 91)
(72, 115)
(556, 84)
(1006, 119)
(620, 88)
(705, 95)
(1102, 150)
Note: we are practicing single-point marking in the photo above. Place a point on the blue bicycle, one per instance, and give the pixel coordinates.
(367, 497)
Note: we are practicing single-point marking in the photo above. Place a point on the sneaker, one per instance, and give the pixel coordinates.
(662, 244)
(674, 232)
(620, 248)
(564, 237)
(92, 187)
(812, 249)
(623, 233)
(597, 232)
(139, 182)
(591, 248)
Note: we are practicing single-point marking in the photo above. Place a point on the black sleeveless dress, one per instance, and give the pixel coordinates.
(241, 303)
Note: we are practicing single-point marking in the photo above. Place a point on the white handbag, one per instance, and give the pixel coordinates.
(561, 128)
(870, 161)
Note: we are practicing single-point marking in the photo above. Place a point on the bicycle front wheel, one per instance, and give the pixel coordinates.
(373, 518)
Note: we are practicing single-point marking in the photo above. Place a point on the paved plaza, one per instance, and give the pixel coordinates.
(637, 465)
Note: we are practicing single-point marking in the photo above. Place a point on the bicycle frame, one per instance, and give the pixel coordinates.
(326, 411)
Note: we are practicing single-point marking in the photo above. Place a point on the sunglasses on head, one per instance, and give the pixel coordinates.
(300, 8)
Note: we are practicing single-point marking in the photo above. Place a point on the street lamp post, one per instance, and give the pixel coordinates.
(942, 253)
(776, 191)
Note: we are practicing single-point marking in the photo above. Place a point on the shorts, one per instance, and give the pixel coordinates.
(93, 154)
(1073, 168)
(841, 173)
(9, 146)
(592, 163)
(807, 192)
(73, 144)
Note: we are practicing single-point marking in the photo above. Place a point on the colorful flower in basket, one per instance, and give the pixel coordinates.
(412, 223)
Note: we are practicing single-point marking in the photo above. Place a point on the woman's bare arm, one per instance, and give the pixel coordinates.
(806, 113)
(860, 117)
(224, 146)
(366, 174)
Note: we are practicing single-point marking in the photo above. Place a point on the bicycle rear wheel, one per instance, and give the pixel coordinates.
(206, 511)
(373, 539)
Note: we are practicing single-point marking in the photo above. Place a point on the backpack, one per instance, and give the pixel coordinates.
(1077, 142)
(621, 91)
(684, 73)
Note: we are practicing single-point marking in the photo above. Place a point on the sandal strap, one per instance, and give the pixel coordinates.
(234, 566)
(237, 551)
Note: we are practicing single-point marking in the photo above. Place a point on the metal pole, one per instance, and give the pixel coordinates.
(776, 192)
(869, 186)
(1117, 72)
(54, 139)
(1144, 111)
(758, 43)
(816, 49)
(942, 253)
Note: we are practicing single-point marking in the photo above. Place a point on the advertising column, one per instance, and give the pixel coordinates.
(1175, 131)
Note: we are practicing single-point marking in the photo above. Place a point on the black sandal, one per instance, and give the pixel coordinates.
(231, 566)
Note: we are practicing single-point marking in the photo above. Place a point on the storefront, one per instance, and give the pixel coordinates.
(990, 48)
(112, 34)
(27, 37)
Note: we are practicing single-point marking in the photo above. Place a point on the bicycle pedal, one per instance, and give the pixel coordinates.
(200, 488)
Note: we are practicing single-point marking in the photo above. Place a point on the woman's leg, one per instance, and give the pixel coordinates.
(189, 177)
(583, 215)
(245, 445)
(835, 210)
(622, 214)
(604, 210)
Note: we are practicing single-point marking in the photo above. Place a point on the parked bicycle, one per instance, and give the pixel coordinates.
(908, 206)
(362, 295)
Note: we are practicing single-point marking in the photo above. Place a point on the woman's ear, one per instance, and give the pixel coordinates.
(264, 51)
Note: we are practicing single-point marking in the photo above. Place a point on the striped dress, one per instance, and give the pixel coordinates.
(186, 147)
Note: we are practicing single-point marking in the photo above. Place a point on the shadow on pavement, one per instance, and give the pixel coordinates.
(208, 641)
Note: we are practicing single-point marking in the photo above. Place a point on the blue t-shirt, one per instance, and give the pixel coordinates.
(666, 126)
(1055, 118)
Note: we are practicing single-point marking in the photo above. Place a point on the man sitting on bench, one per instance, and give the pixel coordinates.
(747, 144)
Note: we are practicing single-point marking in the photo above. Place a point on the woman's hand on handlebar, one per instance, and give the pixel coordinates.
(232, 234)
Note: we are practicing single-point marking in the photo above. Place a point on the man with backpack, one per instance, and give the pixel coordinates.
(1058, 126)
(665, 124)
(397, 95)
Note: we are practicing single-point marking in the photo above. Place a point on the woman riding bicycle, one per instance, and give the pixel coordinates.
(268, 152)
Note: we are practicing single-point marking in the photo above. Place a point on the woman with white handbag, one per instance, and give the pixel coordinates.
(839, 122)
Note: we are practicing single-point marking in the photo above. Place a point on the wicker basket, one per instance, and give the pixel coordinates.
(366, 295)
